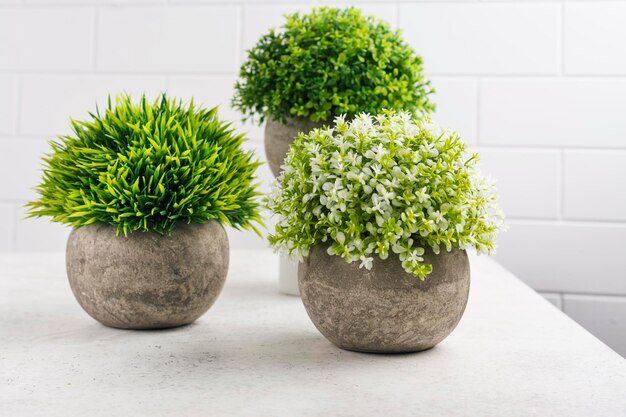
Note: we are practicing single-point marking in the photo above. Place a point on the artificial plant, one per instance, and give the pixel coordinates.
(328, 62)
(148, 165)
(379, 185)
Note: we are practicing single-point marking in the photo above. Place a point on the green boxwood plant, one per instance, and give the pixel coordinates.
(383, 184)
(328, 62)
(146, 166)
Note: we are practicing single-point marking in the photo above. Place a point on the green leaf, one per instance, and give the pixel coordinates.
(148, 165)
(329, 62)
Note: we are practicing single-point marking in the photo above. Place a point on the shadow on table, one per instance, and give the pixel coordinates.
(278, 351)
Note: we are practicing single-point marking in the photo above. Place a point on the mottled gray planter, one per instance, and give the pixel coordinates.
(384, 309)
(278, 137)
(146, 280)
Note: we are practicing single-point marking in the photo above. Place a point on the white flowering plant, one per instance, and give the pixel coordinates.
(388, 183)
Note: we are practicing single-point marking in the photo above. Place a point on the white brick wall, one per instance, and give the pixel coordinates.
(485, 39)
(456, 100)
(7, 224)
(539, 88)
(46, 39)
(176, 39)
(553, 111)
(8, 104)
(594, 183)
(48, 101)
(593, 38)
(605, 316)
(564, 256)
(524, 178)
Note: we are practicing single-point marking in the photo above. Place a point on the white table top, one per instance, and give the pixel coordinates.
(255, 353)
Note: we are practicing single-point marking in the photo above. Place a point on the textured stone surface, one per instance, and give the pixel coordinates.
(384, 309)
(145, 280)
(257, 354)
(278, 137)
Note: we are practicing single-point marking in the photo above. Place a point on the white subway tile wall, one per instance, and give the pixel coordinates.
(258, 18)
(485, 39)
(603, 316)
(538, 88)
(456, 101)
(177, 39)
(20, 167)
(213, 91)
(593, 185)
(553, 112)
(46, 38)
(7, 224)
(39, 235)
(554, 298)
(573, 257)
(8, 104)
(47, 102)
(593, 35)
(527, 180)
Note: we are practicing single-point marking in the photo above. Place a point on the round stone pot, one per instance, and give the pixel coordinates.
(385, 309)
(278, 137)
(147, 280)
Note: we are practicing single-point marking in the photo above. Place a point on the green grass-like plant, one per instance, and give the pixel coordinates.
(383, 184)
(329, 62)
(147, 166)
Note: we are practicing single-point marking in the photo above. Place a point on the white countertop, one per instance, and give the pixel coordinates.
(255, 353)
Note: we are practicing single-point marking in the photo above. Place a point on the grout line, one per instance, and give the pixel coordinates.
(562, 38)
(556, 147)
(509, 77)
(478, 99)
(79, 4)
(618, 295)
(616, 224)
(129, 73)
(515, 148)
(183, 3)
(356, 2)
(25, 137)
(530, 219)
(10, 200)
(548, 76)
(555, 294)
(562, 294)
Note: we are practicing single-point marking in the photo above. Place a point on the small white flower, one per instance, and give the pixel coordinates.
(384, 194)
(343, 182)
(421, 195)
(414, 258)
(377, 153)
(366, 262)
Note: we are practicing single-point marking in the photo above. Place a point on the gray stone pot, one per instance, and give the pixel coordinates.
(278, 137)
(384, 310)
(146, 280)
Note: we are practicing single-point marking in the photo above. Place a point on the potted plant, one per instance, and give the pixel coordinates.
(381, 210)
(147, 188)
(320, 65)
